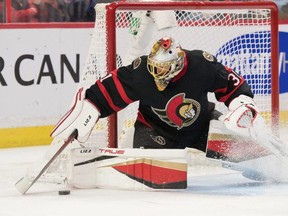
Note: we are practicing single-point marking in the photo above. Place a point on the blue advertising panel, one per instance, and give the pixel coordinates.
(283, 61)
(250, 56)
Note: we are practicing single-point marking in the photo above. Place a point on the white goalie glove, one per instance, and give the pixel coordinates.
(82, 116)
(241, 116)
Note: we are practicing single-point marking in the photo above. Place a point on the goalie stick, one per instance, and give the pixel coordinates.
(26, 182)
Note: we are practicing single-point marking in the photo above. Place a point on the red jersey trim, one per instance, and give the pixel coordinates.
(226, 97)
(107, 96)
(120, 88)
(141, 119)
(222, 90)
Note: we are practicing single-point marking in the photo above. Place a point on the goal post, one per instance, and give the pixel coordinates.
(242, 35)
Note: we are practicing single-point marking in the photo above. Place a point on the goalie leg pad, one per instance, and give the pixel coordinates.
(83, 171)
(94, 168)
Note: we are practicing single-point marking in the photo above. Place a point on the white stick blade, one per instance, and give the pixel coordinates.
(23, 185)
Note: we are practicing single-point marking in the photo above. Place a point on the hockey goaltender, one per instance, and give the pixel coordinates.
(172, 86)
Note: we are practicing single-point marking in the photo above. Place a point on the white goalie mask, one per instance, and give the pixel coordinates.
(165, 61)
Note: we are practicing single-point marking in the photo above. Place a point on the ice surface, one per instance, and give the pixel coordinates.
(211, 191)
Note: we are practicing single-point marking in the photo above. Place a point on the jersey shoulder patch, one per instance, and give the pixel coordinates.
(136, 63)
(208, 56)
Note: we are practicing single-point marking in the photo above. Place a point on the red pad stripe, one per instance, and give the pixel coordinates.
(219, 146)
(151, 173)
(240, 149)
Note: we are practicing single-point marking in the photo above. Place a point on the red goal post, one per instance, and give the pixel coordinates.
(242, 35)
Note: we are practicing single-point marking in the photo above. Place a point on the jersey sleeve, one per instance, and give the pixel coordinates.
(235, 86)
(225, 82)
(114, 92)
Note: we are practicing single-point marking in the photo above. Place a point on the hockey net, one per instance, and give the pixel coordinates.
(242, 35)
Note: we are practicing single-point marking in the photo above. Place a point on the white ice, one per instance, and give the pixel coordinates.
(211, 191)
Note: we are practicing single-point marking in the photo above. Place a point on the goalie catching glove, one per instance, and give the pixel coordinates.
(241, 116)
(82, 116)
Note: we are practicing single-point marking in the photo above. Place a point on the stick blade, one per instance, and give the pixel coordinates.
(26, 182)
(23, 185)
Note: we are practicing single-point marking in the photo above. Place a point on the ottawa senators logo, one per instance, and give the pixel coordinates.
(179, 111)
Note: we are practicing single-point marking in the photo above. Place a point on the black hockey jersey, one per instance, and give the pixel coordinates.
(180, 112)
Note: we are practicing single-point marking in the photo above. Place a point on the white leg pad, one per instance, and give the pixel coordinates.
(142, 169)
(83, 174)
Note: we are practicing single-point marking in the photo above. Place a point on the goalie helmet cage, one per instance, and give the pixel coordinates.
(242, 35)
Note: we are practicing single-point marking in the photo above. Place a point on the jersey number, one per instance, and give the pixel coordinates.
(235, 78)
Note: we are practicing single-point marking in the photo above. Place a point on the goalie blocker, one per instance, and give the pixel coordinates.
(82, 116)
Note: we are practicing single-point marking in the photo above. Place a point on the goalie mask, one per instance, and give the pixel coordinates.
(165, 61)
